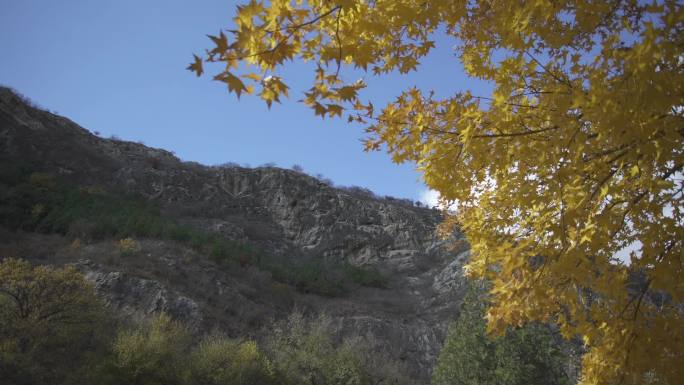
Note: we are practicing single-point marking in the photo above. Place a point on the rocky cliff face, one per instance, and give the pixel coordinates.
(286, 213)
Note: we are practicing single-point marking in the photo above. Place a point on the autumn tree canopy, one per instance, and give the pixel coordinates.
(574, 158)
(48, 323)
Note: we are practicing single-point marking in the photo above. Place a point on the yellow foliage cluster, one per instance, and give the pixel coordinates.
(47, 320)
(128, 245)
(40, 295)
(76, 244)
(574, 158)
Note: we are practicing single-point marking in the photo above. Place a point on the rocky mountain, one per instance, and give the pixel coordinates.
(286, 215)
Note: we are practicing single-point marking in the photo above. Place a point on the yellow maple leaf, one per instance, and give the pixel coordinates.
(196, 66)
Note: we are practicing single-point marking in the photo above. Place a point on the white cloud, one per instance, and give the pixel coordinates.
(429, 197)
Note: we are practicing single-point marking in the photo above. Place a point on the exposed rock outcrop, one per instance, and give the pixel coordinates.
(130, 295)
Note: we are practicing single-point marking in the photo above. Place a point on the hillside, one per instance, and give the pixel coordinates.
(227, 248)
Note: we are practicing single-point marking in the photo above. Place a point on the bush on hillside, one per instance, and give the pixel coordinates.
(308, 351)
(218, 360)
(53, 332)
(525, 356)
(151, 353)
(51, 324)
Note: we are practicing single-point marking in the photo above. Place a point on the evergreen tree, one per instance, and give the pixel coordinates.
(523, 356)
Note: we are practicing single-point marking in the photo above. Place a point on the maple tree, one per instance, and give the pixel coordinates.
(575, 157)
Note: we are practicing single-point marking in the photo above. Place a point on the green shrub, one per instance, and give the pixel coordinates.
(364, 276)
(153, 353)
(306, 275)
(524, 356)
(307, 351)
(41, 202)
(219, 360)
(317, 276)
(304, 352)
(177, 233)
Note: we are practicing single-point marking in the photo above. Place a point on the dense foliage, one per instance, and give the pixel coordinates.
(524, 356)
(574, 158)
(218, 360)
(50, 324)
(307, 351)
(54, 331)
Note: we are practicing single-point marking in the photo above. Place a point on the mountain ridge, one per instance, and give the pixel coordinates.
(287, 215)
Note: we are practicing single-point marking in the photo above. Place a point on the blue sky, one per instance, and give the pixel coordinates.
(118, 67)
